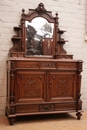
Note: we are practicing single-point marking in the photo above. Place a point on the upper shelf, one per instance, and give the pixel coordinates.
(61, 31)
(17, 28)
(16, 38)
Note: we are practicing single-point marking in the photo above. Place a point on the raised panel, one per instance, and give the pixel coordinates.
(30, 86)
(62, 86)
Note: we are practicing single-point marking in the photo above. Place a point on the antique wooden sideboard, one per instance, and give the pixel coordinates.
(41, 77)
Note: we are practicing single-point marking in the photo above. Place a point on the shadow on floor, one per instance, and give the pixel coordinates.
(44, 118)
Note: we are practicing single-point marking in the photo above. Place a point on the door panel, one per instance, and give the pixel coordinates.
(31, 86)
(62, 86)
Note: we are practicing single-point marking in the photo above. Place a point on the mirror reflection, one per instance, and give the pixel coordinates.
(39, 36)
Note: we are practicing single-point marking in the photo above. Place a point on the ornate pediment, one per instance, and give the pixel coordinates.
(40, 9)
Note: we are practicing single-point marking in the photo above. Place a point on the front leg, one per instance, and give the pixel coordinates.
(78, 114)
(11, 120)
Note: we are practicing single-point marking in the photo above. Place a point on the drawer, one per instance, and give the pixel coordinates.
(26, 64)
(34, 108)
(66, 65)
(27, 108)
(65, 106)
(30, 108)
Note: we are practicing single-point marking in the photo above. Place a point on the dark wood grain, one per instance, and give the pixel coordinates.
(42, 84)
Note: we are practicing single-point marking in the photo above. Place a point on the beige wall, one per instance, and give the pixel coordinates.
(72, 15)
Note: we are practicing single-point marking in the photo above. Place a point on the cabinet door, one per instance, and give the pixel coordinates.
(61, 86)
(30, 86)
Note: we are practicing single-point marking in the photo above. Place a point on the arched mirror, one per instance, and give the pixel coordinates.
(39, 36)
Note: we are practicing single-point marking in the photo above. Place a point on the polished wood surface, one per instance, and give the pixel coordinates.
(44, 83)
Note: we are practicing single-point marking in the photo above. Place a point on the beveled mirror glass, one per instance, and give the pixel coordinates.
(39, 36)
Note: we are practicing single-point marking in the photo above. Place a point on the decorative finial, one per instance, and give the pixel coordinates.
(40, 9)
(56, 14)
(23, 10)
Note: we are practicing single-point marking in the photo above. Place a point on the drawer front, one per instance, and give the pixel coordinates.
(68, 106)
(26, 64)
(27, 108)
(37, 65)
(48, 65)
(66, 65)
(65, 106)
(44, 65)
(31, 108)
(34, 108)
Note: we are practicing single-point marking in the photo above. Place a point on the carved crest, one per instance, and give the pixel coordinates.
(40, 9)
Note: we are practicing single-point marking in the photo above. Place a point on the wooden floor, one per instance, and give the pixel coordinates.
(46, 122)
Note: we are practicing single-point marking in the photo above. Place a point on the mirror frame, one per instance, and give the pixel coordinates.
(19, 40)
(40, 11)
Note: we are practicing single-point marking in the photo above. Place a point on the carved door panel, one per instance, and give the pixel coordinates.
(30, 86)
(61, 86)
